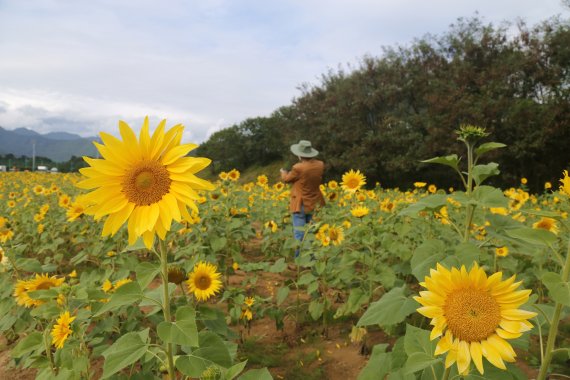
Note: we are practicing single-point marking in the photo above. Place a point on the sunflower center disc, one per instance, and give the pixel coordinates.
(146, 183)
(472, 314)
(203, 282)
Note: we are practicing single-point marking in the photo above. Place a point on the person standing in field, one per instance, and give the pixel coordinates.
(306, 177)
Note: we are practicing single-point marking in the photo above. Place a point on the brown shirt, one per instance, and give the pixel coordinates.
(306, 177)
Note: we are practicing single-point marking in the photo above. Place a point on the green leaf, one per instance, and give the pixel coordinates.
(451, 160)
(417, 340)
(316, 309)
(234, 370)
(183, 331)
(533, 236)
(256, 374)
(138, 246)
(218, 243)
(426, 256)
(482, 172)
(486, 147)
(125, 351)
(44, 294)
(29, 265)
(213, 348)
(30, 343)
(279, 266)
(488, 196)
(127, 294)
(379, 364)
(431, 202)
(559, 290)
(282, 294)
(146, 272)
(392, 308)
(418, 361)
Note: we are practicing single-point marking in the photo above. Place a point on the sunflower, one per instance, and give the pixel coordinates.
(204, 281)
(61, 330)
(278, 186)
(233, 175)
(64, 201)
(419, 185)
(432, 188)
(223, 176)
(40, 282)
(38, 189)
(547, 224)
(75, 210)
(6, 235)
(352, 181)
(565, 184)
(262, 180)
(271, 225)
(148, 182)
(502, 251)
(246, 314)
(333, 185)
(3, 258)
(360, 211)
(547, 185)
(524, 181)
(249, 301)
(474, 314)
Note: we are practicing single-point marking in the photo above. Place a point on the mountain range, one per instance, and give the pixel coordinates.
(57, 146)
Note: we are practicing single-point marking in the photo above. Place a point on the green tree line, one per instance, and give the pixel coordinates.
(21, 163)
(392, 111)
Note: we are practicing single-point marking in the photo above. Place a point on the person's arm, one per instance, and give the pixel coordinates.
(291, 176)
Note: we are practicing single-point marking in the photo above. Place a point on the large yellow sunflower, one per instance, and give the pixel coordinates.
(204, 281)
(475, 314)
(148, 181)
(62, 329)
(40, 282)
(352, 181)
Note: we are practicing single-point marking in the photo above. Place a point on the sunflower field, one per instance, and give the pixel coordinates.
(137, 268)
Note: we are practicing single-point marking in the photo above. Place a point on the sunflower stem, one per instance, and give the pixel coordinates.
(166, 305)
(446, 373)
(553, 332)
(469, 189)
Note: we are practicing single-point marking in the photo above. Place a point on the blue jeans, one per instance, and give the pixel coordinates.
(300, 219)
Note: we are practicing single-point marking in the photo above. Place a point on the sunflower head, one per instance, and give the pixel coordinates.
(360, 211)
(62, 329)
(176, 275)
(204, 281)
(547, 224)
(147, 182)
(474, 314)
(502, 251)
(352, 181)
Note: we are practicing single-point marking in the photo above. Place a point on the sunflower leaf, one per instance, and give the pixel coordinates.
(389, 310)
(183, 331)
(127, 294)
(451, 160)
(125, 351)
(559, 290)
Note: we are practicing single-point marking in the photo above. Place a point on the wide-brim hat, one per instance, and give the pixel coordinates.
(304, 149)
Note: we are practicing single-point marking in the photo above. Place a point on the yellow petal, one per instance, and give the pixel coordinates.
(477, 356)
(463, 357)
(492, 355)
(517, 314)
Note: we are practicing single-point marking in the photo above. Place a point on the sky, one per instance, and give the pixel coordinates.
(80, 66)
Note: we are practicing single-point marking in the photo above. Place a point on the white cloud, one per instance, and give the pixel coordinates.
(206, 64)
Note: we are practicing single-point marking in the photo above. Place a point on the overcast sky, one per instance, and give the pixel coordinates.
(80, 66)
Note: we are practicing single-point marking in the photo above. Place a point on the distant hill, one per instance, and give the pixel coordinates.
(58, 146)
